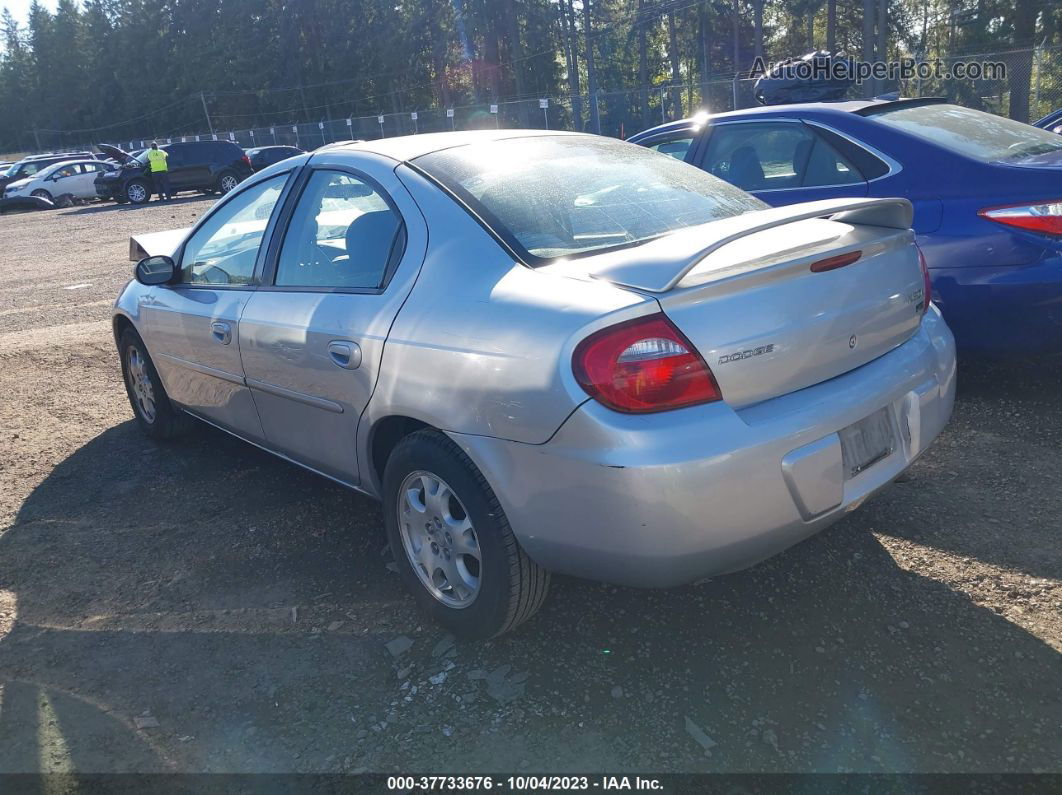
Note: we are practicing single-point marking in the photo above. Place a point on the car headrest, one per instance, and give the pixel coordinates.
(369, 238)
(745, 168)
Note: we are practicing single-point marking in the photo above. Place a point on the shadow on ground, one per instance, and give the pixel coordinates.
(110, 206)
(202, 606)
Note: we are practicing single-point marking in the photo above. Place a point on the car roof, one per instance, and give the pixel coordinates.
(52, 155)
(71, 162)
(409, 147)
(860, 107)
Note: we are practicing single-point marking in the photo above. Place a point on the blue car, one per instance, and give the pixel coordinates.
(1052, 122)
(987, 194)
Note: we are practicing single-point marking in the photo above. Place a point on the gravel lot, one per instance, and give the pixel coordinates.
(202, 606)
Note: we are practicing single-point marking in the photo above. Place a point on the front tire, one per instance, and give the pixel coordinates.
(452, 542)
(42, 194)
(154, 413)
(137, 192)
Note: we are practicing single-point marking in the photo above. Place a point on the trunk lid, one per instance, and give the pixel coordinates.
(767, 324)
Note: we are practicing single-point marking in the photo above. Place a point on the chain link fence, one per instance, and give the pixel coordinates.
(1033, 81)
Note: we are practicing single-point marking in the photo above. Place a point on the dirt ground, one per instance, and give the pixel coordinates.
(202, 606)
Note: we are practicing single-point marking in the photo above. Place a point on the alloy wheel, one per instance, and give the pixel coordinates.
(140, 383)
(228, 182)
(137, 193)
(439, 539)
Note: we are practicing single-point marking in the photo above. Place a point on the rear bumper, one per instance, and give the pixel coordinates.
(661, 500)
(1015, 308)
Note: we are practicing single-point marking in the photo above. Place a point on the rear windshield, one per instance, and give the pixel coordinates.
(982, 136)
(560, 196)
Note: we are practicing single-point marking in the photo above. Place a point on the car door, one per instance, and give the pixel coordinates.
(85, 181)
(64, 180)
(782, 161)
(178, 167)
(94, 170)
(191, 328)
(312, 336)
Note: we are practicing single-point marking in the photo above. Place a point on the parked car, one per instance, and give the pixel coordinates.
(205, 166)
(1052, 122)
(987, 194)
(61, 183)
(30, 165)
(263, 156)
(546, 352)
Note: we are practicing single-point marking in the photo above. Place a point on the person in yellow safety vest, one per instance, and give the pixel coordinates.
(160, 172)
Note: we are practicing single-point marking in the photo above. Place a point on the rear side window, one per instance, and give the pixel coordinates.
(557, 196)
(226, 152)
(775, 156)
(343, 235)
(982, 136)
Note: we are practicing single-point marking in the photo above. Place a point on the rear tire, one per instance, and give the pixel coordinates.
(154, 413)
(227, 180)
(492, 593)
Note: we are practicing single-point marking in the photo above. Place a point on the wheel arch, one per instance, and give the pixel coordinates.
(119, 324)
(384, 435)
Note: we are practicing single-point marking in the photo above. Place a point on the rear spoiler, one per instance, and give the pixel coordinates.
(660, 264)
(154, 244)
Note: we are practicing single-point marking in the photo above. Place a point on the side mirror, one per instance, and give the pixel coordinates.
(156, 270)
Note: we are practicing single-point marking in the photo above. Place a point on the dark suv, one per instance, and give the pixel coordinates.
(205, 166)
(29, 166)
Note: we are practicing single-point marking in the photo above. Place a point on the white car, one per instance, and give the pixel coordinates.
(61, 182)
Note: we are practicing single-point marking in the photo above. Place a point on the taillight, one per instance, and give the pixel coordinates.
(927, 286)
(247, 160)
(643, 365)
(1043, 217)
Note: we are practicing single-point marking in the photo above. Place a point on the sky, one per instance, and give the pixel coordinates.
(20, 8)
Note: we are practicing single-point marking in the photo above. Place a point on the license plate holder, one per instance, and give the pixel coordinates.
(866, 442)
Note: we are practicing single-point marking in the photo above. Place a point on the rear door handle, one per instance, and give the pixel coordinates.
(222, 332)
(345, 354)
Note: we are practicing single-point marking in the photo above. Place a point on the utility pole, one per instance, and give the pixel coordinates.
(210, 126)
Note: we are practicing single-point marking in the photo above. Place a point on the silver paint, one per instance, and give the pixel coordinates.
(476, 344)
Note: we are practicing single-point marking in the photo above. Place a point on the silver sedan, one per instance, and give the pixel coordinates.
(544, 353)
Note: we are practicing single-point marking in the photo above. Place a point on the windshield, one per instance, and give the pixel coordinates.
(982, 136)
(557, 196)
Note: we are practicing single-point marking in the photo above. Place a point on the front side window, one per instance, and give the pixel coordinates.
(342, 235)
(982, 136)
(224, 249)
(557, 196)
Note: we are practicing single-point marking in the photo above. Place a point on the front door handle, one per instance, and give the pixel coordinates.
(345, 354)
(221, 331)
